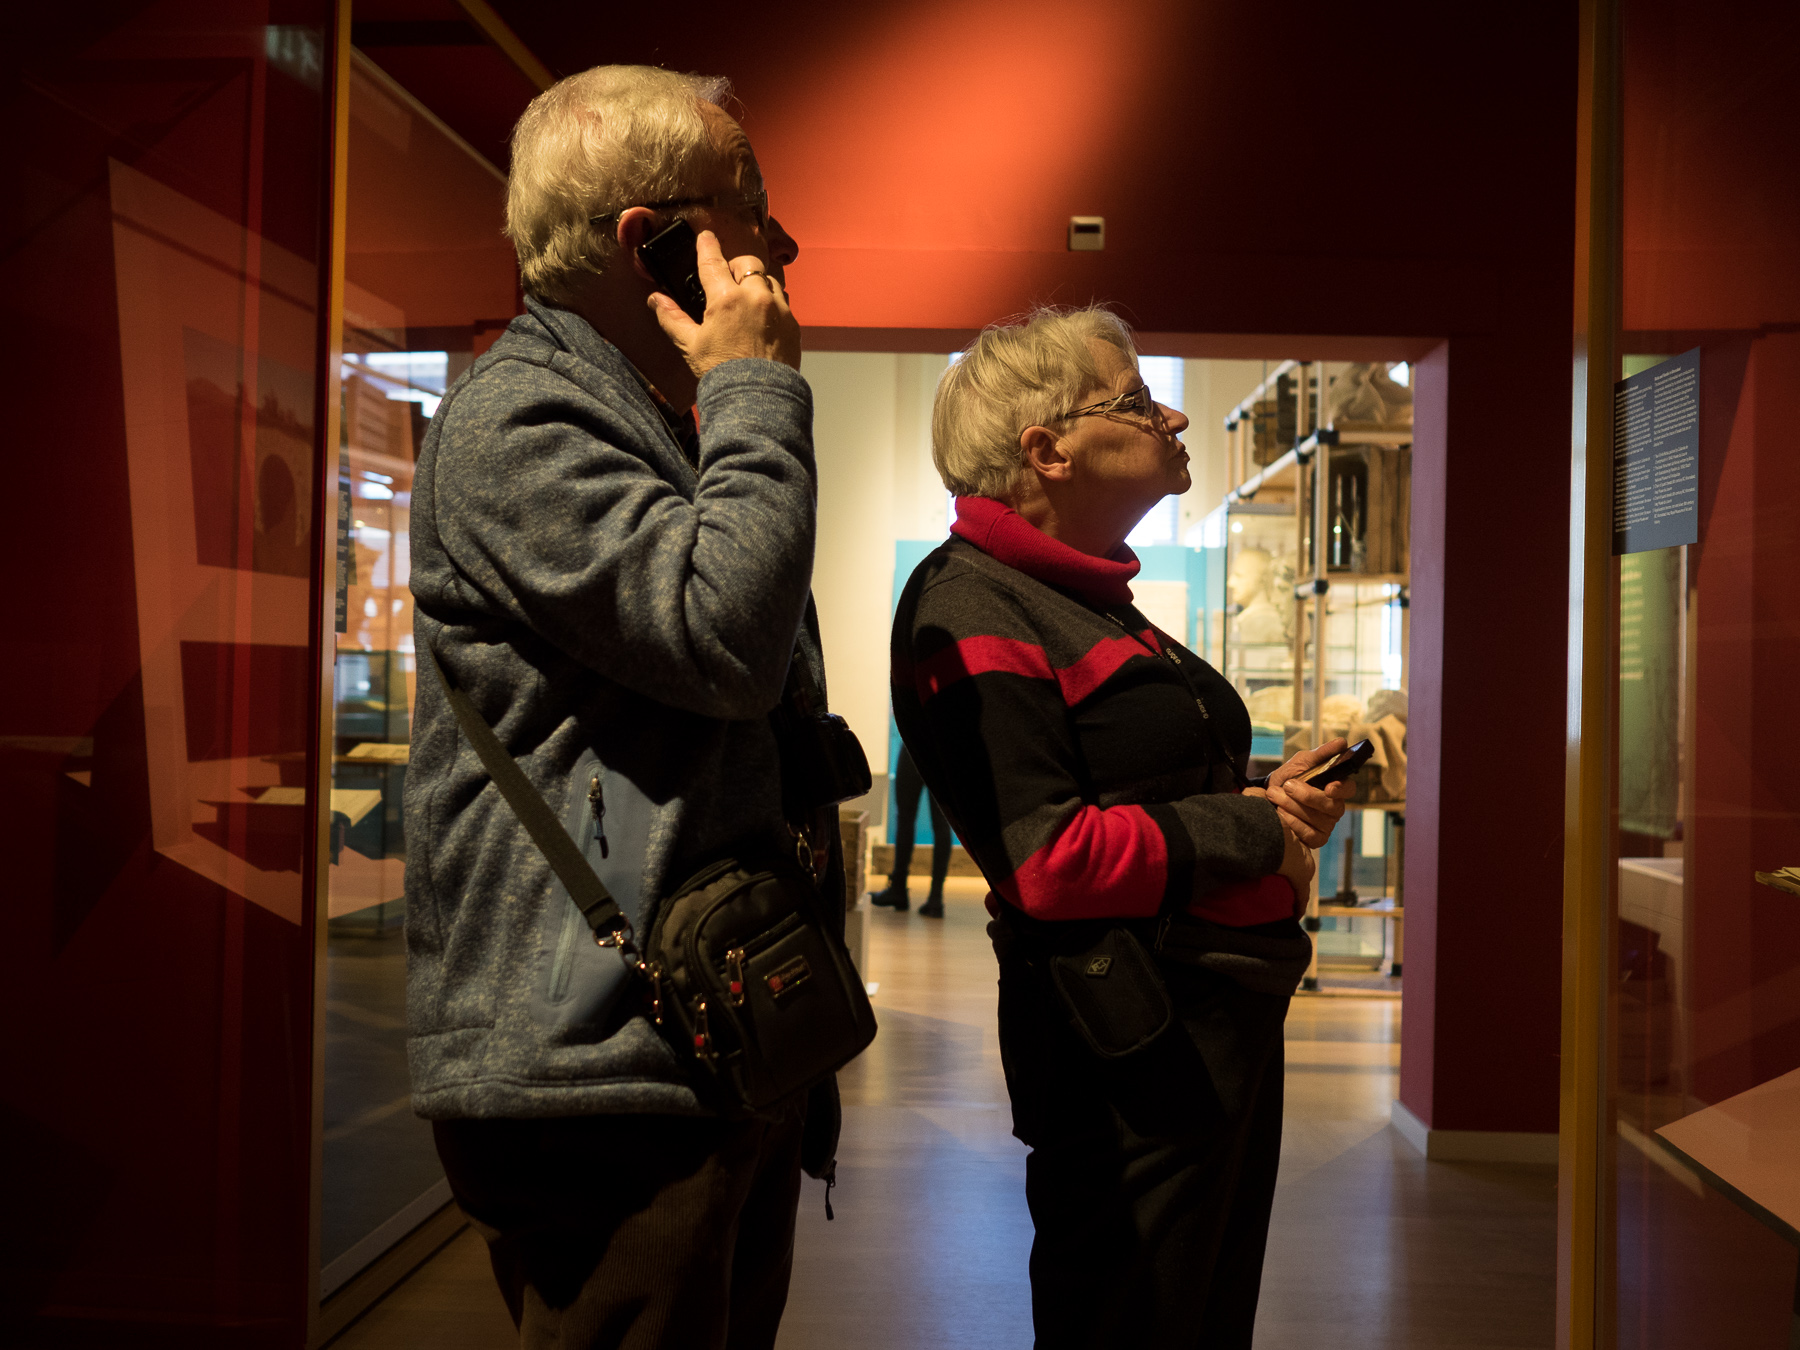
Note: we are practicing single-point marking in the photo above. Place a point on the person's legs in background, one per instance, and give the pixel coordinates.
(933, 908)
(907, 787)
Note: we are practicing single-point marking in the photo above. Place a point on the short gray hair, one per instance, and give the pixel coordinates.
(1020, 373)
(604, 140)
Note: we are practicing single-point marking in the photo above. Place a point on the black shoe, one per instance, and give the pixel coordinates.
(894, 898)
(933, 908)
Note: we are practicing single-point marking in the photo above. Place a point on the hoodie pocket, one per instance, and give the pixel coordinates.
(578, 982)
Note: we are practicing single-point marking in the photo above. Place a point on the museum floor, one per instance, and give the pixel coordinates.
(1372, 1248)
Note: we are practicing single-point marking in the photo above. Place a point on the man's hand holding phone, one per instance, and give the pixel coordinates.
(1308, 813)
(747, 313)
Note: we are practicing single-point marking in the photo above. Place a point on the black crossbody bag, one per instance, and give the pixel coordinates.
(742, 972)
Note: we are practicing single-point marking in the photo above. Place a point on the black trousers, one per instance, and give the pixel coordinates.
(907, 786)
(1149, 1180)
(633, 1231)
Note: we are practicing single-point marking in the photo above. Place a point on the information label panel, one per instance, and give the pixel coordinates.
(1656, 456)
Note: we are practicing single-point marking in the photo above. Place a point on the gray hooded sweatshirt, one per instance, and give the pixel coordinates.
(613, 610)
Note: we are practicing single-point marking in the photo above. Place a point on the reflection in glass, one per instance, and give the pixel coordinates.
(429, 284)
(160, 260)
(1706, 1085)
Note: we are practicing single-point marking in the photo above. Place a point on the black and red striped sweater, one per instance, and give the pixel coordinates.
(1052, 723)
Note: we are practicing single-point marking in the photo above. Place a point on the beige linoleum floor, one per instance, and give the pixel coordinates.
(1371, 1247)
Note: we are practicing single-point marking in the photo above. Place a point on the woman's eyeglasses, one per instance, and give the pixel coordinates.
(1132, 403)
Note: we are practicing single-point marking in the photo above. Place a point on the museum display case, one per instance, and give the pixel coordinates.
(1681, 1126)
(1257, 631)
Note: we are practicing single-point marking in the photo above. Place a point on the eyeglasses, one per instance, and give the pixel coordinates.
(1135, 403)
(755, 203)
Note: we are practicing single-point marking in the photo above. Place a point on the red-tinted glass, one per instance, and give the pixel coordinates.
(1708, 1006)
(161, 274)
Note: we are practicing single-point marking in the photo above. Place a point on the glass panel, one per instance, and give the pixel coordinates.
(1707, 1067)
(160, 271)
(429, 285)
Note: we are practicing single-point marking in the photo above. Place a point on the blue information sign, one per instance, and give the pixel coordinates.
(1656, 456)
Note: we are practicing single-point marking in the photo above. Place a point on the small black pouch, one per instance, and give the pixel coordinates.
(1113, 993)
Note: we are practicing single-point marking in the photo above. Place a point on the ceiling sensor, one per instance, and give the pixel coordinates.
(1087, 234)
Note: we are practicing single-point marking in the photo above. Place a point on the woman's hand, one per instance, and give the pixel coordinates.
(1297, 866)
(1307, 812)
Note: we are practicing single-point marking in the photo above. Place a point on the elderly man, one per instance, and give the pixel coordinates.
(612, 538)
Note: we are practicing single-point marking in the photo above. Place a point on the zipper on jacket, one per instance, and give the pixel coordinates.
(563, 962)
(597, 807)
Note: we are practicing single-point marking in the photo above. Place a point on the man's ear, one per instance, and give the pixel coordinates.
(1046, 454)
(635, 229)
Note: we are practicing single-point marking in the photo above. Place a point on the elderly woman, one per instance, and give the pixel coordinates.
(1095, 770)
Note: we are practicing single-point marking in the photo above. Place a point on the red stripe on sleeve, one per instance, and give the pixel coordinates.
(1243, 903)
(979, 656)
(1099, 665)
(1105, 863)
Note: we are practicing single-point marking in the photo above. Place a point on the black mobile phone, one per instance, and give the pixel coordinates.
(1341, 768)
(672, 257)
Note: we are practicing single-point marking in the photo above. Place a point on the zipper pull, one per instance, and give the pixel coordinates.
(597, 804)
(734, 966)
(652, 973)
(702, 1039)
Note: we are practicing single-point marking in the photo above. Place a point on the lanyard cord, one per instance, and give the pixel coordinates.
(1168, 654)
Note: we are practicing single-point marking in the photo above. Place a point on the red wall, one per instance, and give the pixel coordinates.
(1304, 168)
(1312, 168)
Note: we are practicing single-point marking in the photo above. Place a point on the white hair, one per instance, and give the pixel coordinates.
(1021, 373)
(602, 141)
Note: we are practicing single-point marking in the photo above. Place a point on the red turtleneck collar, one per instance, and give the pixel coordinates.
(1003, 534)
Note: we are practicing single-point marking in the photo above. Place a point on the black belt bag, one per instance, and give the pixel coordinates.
(1113, 994)
(741, 973)
(1100, 973)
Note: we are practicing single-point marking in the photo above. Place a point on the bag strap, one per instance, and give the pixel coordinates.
(610, 923)
(801, 691)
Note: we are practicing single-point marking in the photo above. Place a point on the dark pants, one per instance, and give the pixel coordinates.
(1150, 1180)
(633, 1231)
(907, 787)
